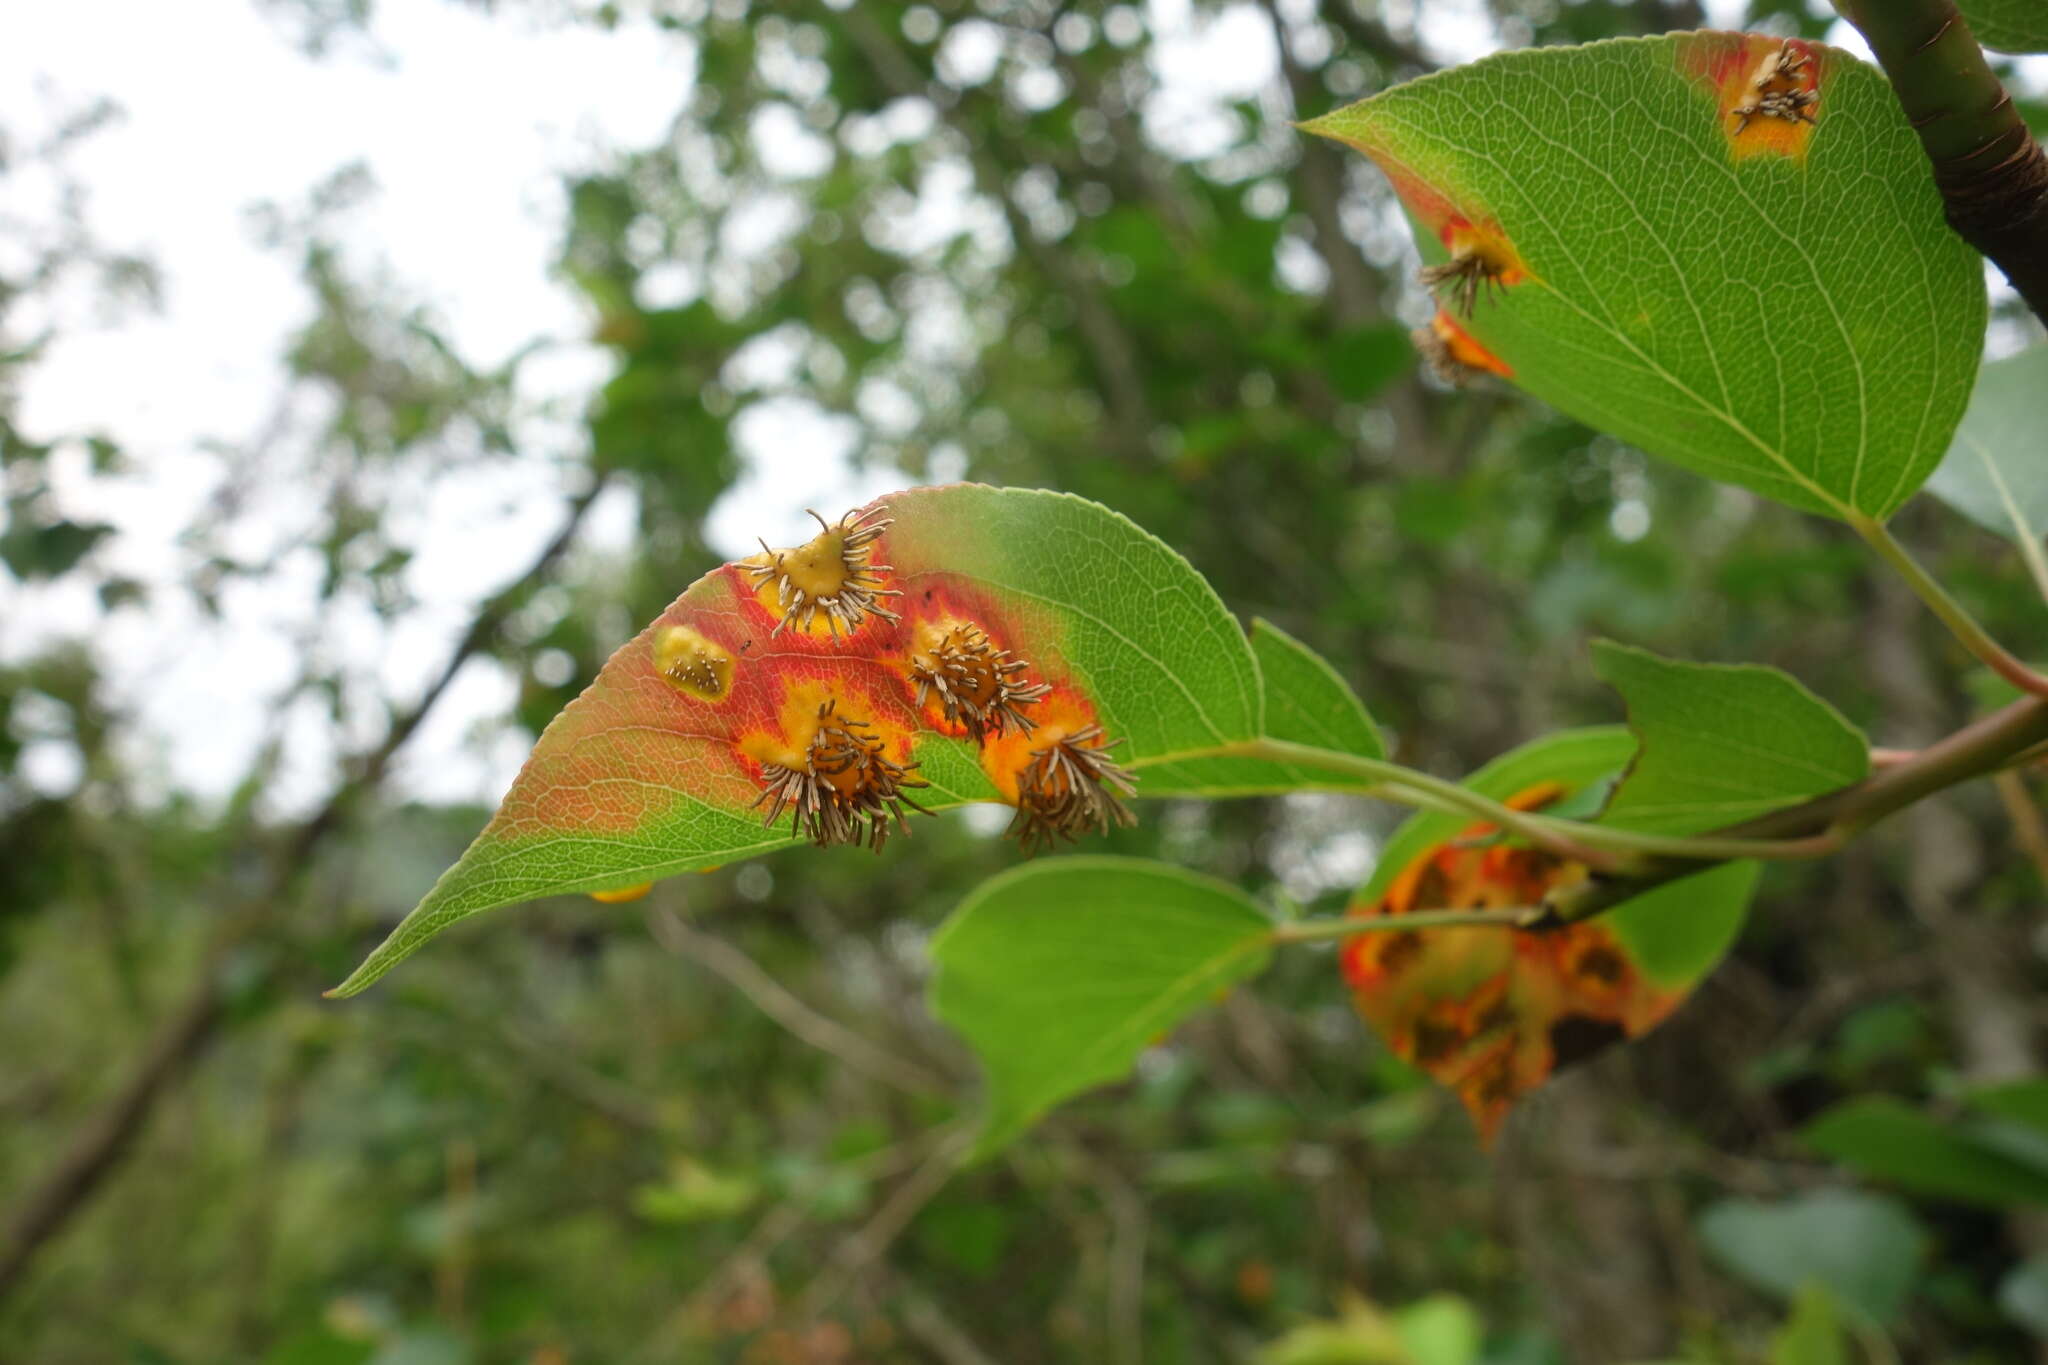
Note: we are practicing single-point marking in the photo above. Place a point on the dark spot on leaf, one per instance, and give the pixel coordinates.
(1435, 1041)
(1602, 964)
(1578, 1036)
(1402, 949)
(1432, 890)
(1496, 1084)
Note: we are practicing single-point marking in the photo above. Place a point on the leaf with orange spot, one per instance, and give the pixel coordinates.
(1772, 299)
(1493, 1012)
(1124, 661)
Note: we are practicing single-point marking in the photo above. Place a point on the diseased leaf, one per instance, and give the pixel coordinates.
(1886, 1140)
(1059, 973)
(2008, 25)
(1770, 300)
(1493, 1012)
(1093, 654)
(1996, 473)
(1864, 1248)
(1722, 742)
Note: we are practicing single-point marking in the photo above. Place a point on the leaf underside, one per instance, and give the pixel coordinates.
(1996, 472)
(1781, 307)
(2008, 25)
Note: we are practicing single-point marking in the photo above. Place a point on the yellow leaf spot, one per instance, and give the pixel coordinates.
(692, 664)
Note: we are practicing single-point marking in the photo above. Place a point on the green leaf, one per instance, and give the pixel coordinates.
(695, 1193)
(1722, 742)
(1306, 702)
(1812, 1336)
(1865, 1248)
(1059, 973)
(2008, 25)
(1994, 473)
(1782, 307)
(2021, 1101)
(32, 551)
(2023, 1295)
(1886, 1140)
(638, 779)
(1442, 1329)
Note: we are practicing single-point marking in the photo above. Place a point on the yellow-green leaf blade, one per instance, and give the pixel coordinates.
(1059, 973)
(1722, 743)
(1306, 702)
(1781, 308)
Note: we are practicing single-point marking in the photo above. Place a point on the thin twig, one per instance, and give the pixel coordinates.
(2027, 825)
(829, 1036)
(1961, 624)
(925, 1320)
(1128, 1225)
(872, 1240)
(774, 1228)
(1350, 926)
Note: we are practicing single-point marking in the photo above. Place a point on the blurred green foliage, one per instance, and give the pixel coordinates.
(702, 1127)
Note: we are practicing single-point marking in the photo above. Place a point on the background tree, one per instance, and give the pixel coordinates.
(1004, 243)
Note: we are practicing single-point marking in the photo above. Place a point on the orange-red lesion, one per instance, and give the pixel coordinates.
(1479, 1008)
(785, 739)
(1483, 240)
(1463, 348)
(1466, 231)
(1064, 711)
(1740, 69)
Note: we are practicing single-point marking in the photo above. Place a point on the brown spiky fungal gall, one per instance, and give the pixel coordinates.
(1776, 89)
(829, 575)
(976, 685)
(1468, 270)
(846, 789)
(1063, 792)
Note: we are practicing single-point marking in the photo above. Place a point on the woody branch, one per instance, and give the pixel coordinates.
(1992, 174)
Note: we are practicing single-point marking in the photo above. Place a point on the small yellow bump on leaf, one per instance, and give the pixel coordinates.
(692, 664)
(621, 894)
